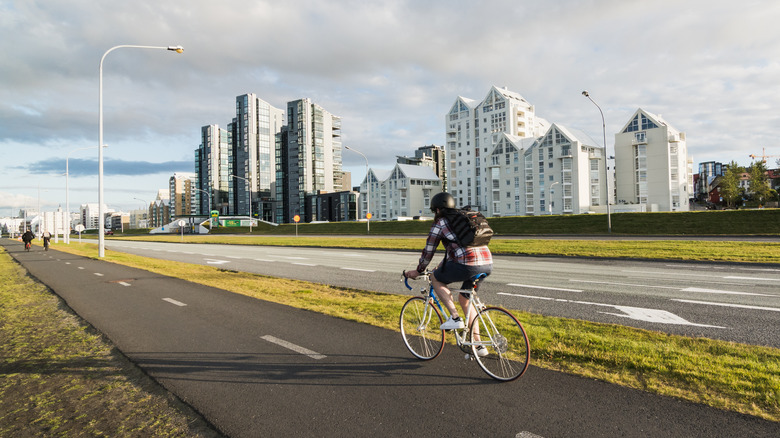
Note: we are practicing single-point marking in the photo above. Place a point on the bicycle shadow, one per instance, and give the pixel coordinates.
(290, 368)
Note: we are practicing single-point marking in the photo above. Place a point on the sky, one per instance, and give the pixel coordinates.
(390, 69)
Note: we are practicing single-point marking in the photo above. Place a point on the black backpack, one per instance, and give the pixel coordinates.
(471, 227)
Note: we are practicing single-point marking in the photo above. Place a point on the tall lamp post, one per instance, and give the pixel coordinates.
(606, 159)
(368, 191)
(249, 184)
(208, 198)
(143, 205)
(101, 219)
(67, 192)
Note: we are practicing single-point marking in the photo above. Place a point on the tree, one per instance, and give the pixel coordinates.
(729, 184)
(759, 182)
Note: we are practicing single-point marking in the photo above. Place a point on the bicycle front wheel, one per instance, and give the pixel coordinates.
(420, 330)
(500, 344)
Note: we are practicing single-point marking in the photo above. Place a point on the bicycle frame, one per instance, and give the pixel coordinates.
(475, 305)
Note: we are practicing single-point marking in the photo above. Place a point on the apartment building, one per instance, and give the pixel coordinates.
(473, 129)
(214, 165)
(652, 167)
(182, 195)
(432, 156)
(559, 172)
(405, 191)
(254, 132)
(308, 159)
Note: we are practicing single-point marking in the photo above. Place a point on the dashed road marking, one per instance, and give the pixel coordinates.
(361, 270)
(98, 274)
(543, 287)
(296, 348)
(304, 264)
(717, 291)
(172, 301)
(216, 261)
(738, 306)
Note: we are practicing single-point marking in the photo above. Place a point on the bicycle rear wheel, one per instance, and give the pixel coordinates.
(506, 348)
(420, 330)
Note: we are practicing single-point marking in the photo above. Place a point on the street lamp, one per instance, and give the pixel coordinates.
(144, 205)
(606, 160)
(549, 203)
(249, 185)
(101, 219)
(368, 191)
(208, 197)
(67, 192)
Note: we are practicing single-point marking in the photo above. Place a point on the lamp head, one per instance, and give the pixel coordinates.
(585, 93)
(177, 49)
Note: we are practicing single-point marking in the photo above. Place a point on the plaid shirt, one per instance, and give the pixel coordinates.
(470, 256)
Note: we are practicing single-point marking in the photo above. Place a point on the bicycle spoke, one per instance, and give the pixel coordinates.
(506, 351)
(420, 328)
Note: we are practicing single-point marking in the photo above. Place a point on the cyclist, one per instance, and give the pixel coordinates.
(459, 264)
(27, 238)
(46, 239)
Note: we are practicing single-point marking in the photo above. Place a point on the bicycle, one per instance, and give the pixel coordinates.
(495, 339)
(27, 246)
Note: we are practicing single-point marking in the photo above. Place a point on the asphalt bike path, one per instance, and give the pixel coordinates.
(255, 368)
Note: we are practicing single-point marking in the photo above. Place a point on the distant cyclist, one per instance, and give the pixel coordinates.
(27, 238)
(461, 263)
(46, 240)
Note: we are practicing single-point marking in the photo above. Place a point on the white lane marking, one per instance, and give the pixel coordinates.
(67, 263)
(172, 301)
(265, 260)
(738, 306)
(296, 348)
(526, 434)
(123, 283)
(623, 284)
(636, 313)
(81, 267)
(304, 264)
(216, 262)
(543, 287)
(295, 258)
(734, 277)
(356, 269)
(716, 291)
(233, 257)
(686, 274)
(98, 274)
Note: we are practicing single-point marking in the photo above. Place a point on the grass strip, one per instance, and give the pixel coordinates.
(685, 250)
(725, 375)
(59, 378)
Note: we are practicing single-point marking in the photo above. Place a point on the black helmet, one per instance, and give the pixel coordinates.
(442, 200)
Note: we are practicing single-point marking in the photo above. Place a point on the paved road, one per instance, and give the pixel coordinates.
(734, 302)
(254, 368)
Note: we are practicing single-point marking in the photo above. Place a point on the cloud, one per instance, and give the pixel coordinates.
(111, 167)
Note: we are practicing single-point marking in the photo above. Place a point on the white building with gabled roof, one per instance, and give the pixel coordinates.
(403, 192)
(473, 129)
(559, 172)
(652, 167)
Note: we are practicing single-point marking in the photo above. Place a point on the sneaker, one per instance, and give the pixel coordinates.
(453, 324)
(482, 351)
